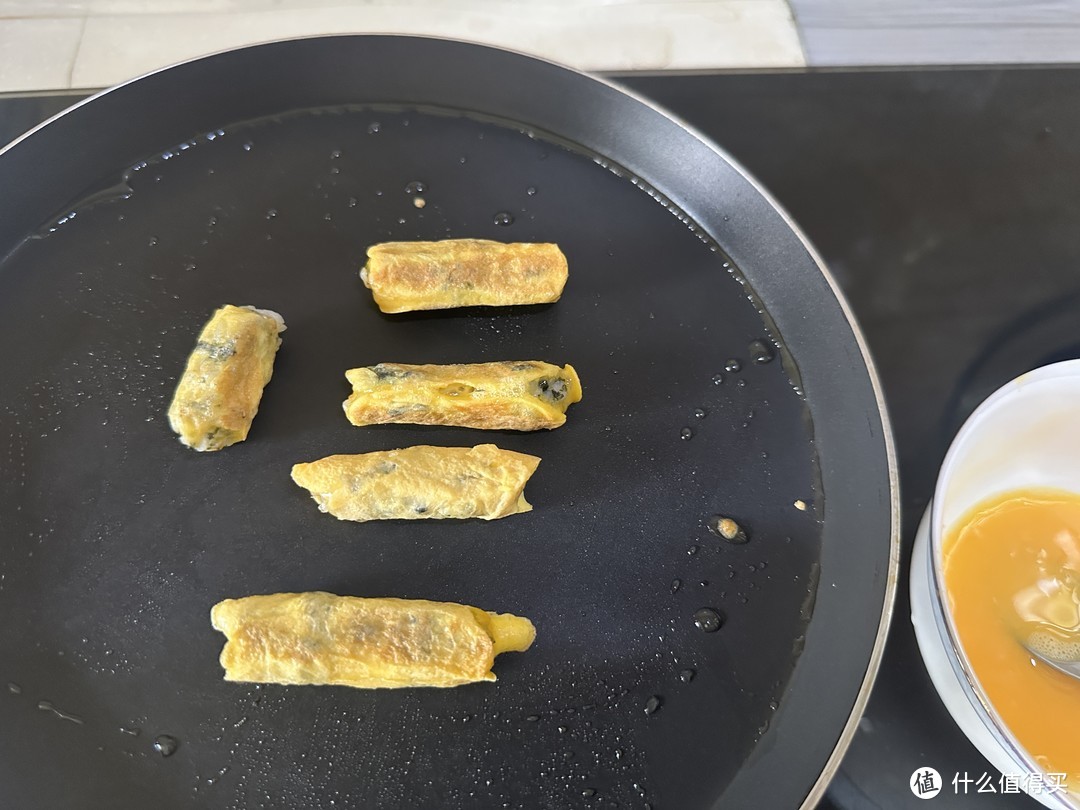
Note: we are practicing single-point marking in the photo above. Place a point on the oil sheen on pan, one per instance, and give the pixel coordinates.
(661, 641)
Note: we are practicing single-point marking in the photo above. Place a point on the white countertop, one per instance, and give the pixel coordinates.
(62, 44)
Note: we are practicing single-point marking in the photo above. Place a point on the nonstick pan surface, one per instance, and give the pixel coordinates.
(722, 376)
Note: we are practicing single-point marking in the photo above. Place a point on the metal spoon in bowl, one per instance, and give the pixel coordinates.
(1054, 651)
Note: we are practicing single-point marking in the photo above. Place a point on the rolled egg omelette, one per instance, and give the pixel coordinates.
(218, 394)
(319, 638)
(510, 395)
(407, 276)
(419, 482)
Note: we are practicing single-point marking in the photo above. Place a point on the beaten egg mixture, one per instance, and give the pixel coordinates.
(1012, 575)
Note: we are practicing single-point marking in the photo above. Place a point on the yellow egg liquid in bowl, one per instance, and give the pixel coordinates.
(1011, 568)
(994, 568)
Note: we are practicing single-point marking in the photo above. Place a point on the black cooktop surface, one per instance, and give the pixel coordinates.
(946, 203)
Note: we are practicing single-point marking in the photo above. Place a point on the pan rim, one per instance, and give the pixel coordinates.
(891, 572)
(832, 764)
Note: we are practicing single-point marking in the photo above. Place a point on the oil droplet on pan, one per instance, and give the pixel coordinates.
(47, 706)
(686, 434)
(733, 366)
(414, 188)
(760, 352)
(504, 218)
(166, 745)
(687, 675)
(652, 705)
(707, 620)
(14, 688)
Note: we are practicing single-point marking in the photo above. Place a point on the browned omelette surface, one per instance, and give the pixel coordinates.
(406, 276)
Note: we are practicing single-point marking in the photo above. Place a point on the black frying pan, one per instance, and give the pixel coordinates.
(128, 219)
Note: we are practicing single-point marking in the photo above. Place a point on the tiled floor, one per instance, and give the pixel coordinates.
(94, 43)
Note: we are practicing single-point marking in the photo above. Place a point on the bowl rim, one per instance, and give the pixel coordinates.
(961, 664)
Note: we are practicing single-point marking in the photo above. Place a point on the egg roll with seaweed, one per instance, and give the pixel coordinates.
(519, 395)
(420, 482)
(218, 394)
(319, 638)
(406, 276)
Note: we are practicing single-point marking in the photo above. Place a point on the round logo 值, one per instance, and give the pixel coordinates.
(925, 783)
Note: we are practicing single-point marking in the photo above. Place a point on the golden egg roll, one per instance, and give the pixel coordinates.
(521, 395)
(406, 276)
(319, 638)
(420, 482)
(218, 394)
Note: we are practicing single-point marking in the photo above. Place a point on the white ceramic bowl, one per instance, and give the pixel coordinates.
(1026, 434)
